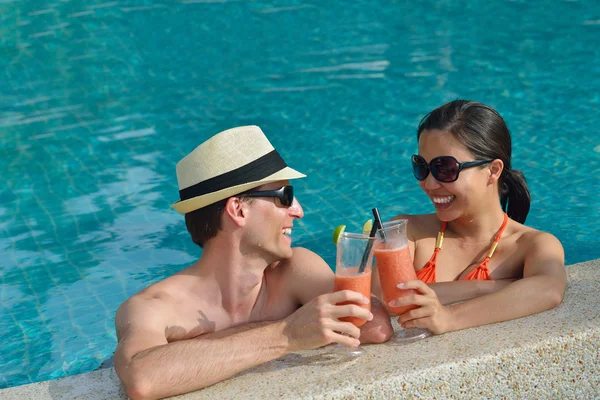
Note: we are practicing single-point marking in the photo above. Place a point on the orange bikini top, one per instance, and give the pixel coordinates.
(481, 272)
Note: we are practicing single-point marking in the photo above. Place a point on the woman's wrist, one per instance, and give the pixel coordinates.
(454, 322)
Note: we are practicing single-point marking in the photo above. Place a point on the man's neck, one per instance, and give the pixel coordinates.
(238, 278)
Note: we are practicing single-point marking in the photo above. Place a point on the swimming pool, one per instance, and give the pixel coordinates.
(100, 99)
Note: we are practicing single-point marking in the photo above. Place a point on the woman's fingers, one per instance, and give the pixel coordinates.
(421, 312)
(416, 299)
(417, 323)
(416, 284)
(437, 320)
(429, 314)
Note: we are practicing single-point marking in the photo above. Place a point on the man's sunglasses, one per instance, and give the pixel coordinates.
(285, 195)
(444, 169)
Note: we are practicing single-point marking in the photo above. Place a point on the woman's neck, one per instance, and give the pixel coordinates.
(477, 227)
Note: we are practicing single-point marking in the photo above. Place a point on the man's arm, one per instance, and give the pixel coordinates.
(311, 276)
(151, 368)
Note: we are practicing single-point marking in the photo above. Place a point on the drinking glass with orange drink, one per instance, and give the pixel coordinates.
(394, 265)
(354, 260)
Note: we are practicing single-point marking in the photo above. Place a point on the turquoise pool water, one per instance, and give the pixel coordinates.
(99, 99)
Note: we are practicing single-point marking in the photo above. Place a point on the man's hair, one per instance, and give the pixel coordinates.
(204, 223)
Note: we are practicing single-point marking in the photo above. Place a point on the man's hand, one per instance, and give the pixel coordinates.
(431, 314)
(317, 323)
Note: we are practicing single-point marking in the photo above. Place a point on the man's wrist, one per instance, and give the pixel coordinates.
(282, 339)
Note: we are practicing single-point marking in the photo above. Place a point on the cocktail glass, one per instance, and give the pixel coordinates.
(394, 266)
(353, 251)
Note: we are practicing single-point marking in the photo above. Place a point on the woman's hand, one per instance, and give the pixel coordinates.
(431, 314)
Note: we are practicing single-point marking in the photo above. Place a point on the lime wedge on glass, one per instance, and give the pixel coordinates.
(367, 227)
(337, 233)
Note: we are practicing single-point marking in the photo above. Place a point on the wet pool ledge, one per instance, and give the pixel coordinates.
(554, 354)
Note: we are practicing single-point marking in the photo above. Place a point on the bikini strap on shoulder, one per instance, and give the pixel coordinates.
(498, 237)
(440, 236)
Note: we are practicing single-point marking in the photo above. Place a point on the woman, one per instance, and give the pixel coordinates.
(470, 249)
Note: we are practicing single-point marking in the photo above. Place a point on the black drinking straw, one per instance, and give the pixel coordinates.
(365, 257)
(378, 219)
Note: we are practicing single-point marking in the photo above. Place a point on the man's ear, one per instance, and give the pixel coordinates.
(236, 211)
(495, 167)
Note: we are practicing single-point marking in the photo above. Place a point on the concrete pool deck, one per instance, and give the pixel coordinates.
(554, 354)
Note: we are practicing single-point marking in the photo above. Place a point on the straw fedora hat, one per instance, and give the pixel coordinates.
(227, 164)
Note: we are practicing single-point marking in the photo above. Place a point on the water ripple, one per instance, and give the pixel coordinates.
(364, 66)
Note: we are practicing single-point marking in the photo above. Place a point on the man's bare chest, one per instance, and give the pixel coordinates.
(194, 318)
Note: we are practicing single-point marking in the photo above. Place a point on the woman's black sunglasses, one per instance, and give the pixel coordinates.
(444, 169)
(285, 195)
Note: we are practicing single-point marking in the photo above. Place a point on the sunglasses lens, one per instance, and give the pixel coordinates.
(288, 196)
(420, 167)
(444, 169)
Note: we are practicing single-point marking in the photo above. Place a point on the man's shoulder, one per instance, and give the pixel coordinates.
(302, 254)
(147, 305)
(157, 293)
(302, 261)
(304, 275)
(303, 267)
(149, 297)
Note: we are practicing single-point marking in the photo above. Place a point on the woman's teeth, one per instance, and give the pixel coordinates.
(286, 231)
(442, 200)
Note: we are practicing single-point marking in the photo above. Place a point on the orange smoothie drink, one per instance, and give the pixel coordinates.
(360, 283)
(395, 266)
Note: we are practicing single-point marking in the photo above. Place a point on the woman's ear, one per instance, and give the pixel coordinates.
(234, 208)
(495, 167)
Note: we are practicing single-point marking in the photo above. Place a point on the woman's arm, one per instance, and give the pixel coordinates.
(453, 292)
(447, 292)
(542, 288)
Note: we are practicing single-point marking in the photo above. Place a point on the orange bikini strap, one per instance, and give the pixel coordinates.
(497, 238)
(444, 225)
(440, 236)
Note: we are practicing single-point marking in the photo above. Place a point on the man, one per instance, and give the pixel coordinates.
(250, 298)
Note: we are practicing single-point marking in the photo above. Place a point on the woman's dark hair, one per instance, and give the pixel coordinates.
(485, 134)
